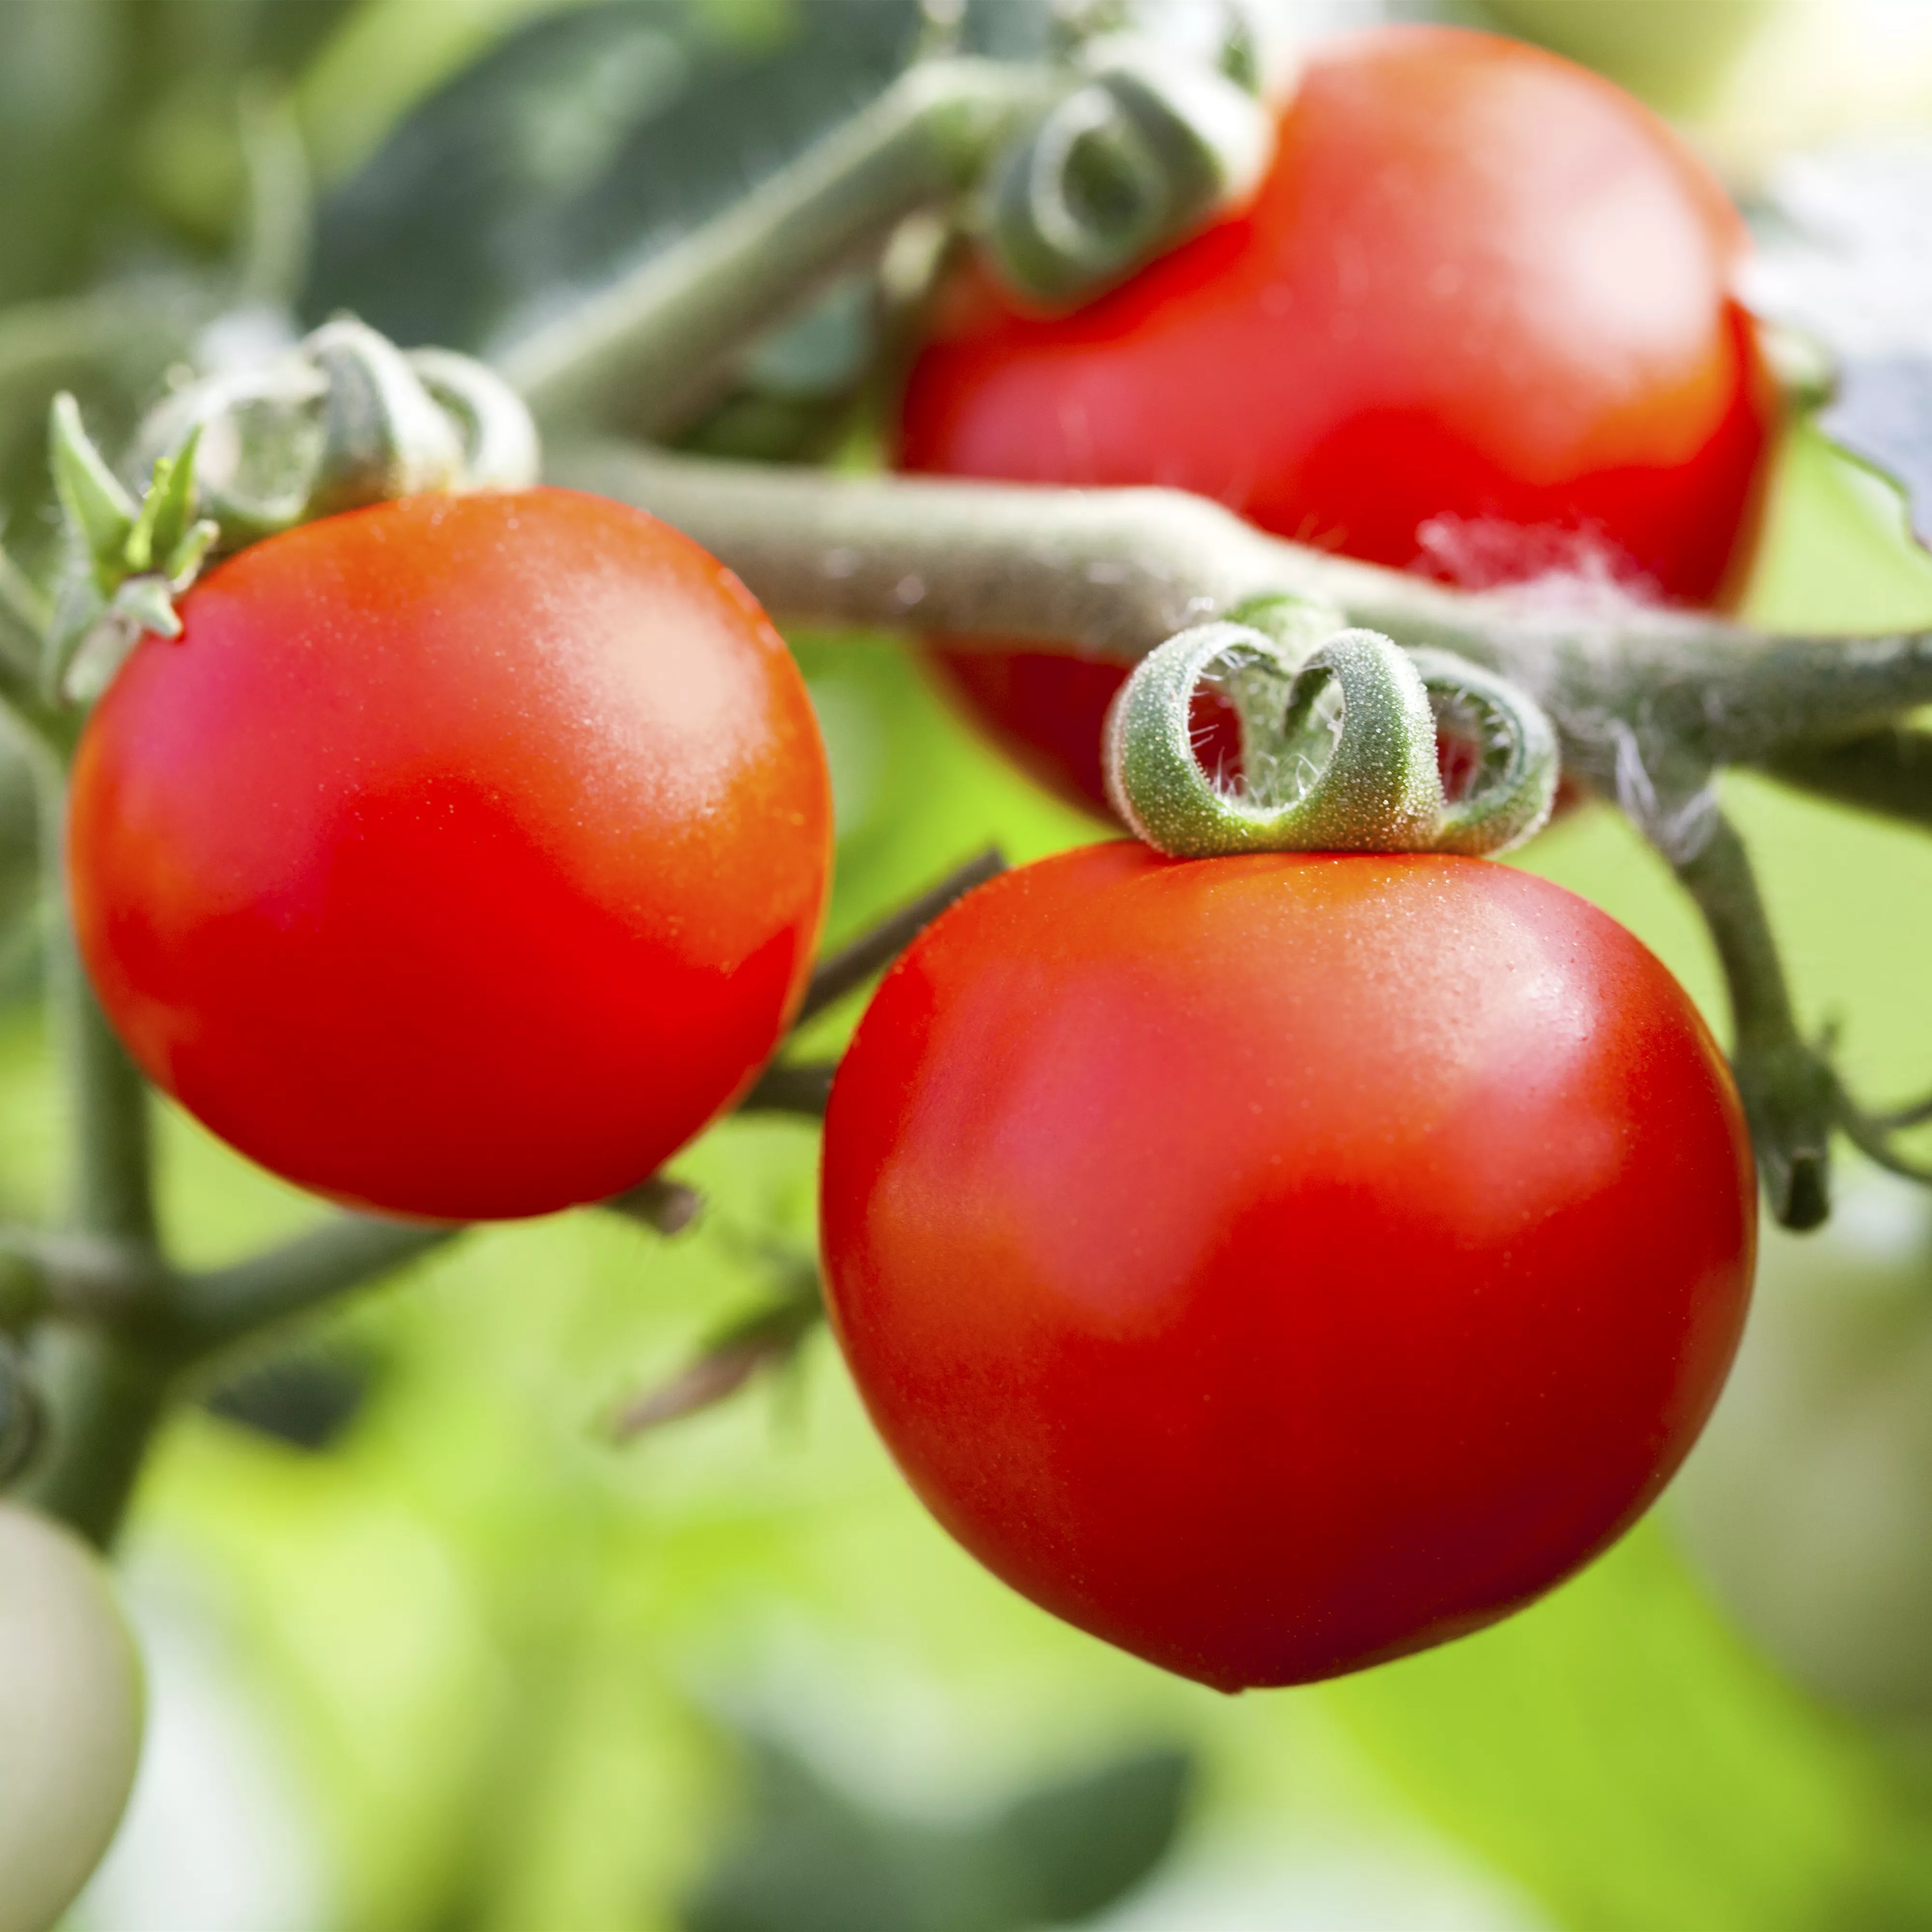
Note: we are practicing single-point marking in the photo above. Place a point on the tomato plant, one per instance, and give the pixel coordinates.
(1275, 1265)
(463, 857)
(1477, 322)
(70, 1709)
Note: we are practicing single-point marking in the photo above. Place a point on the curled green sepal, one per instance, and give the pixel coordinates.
(1338, 748)
(128, 562)
(1519, 760)
(1149, 149)
(342, 420)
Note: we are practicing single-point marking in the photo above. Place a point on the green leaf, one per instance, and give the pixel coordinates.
(1086, 1843)
(578, 145)
(814, 1859)
(1618, 1751)
(99, 511)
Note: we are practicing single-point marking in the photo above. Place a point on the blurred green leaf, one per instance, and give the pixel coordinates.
(304, 1397)
(1077, 1847)
(577, 145)
(61, 82)
(1619, 1751)
(814, 1859)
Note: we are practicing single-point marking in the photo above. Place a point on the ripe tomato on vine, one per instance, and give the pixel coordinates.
(1275, 1265)
(463, 857)
(1477, 322)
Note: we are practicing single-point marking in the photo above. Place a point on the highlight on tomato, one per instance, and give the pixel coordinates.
(1276, 1264)
(1478, 322)
(463, 856)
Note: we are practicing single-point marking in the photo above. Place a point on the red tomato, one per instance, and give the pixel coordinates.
(1276, 1264)
(1479, 323)
(463, 858)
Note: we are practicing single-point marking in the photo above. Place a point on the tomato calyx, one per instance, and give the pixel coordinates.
(130, 560)
(345, 420)
(1339, 749)
(1144, 152)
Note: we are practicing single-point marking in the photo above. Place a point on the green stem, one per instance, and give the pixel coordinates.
(110, 1165)
(792, 1087)
(105, 1396)
(1113, 573)
(872, 951)
(211, 1310)
(1888, 772)
(1789, 1094)
(650, 349)
(106, 1386)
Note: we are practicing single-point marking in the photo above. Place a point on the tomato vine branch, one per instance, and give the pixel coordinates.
(1790, 1095)
(1113, 573)
(648, 349)
(210, 1310)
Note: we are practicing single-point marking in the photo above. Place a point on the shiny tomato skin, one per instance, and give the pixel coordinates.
(462, 858)
(1478, 322)
(1276, 1264)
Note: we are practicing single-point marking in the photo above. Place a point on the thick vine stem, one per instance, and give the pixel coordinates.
(1116, 572)
(105, 1392)
(1790, 1094)
(1888, 772)
(652, 348)
(105, 1396)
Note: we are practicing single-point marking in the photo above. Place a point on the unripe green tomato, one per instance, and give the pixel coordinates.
(1673, 53)
(1808, 1504)
(70, 1708)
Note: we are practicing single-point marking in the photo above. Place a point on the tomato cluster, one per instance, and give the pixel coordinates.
(1478, 322)
(1272, 1264)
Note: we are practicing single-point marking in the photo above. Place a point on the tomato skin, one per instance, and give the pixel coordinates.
(463, 858)
(1478, 322)
(1276, 1264)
